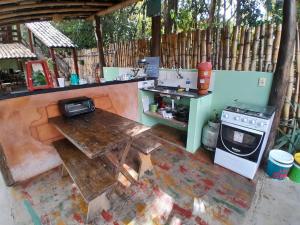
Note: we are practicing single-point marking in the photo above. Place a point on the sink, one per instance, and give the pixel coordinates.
(172, 92)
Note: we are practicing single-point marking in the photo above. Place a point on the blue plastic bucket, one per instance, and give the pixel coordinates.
(279, 164)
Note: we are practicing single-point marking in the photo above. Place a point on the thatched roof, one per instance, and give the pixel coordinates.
(49, 35)
(22, 11)
(15, 51)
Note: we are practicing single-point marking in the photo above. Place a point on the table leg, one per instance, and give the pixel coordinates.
(124, 153)
(145, 163)
(96, 206)
(118, 163)
(64, 172)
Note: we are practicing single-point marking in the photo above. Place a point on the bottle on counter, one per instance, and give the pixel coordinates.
(187, 84)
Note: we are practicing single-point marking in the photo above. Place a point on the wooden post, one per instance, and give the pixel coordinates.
(100, 46)
(19, 33)
(156, 36)
(283, 66)
(75, 61)
(52, 54)
(30, 41)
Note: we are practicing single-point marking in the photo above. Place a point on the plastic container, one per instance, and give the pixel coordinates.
(279, 164)
(61, 81)
(204, 74)
(153, 107)
(74, 79)
(297, 158)
(294, 174)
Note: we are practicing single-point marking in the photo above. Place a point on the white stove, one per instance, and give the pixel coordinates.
(243, 137)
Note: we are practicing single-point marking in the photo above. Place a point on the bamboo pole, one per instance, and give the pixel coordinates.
(255, 46)
(194, 49)
(163, 49)
(241, 50)
(178, 51)
(198, 45)
(188, 50)
(209, 44)
(288, 98)
(262, 48)
(246, 59)
(183, 42)
(226, 48)
(269, 46)
(234, 47)
(298, 70)
(203, 45)
(276, 45)
(217, 43)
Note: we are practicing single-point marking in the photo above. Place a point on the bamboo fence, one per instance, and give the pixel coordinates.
(228, 48)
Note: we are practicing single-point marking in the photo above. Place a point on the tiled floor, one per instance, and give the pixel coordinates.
(182, 189)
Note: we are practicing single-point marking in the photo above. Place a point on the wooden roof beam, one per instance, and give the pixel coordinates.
(37, 18)
(54, 4)
(114, 8)
(47, 11)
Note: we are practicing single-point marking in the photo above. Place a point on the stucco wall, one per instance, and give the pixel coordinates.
(26, 135)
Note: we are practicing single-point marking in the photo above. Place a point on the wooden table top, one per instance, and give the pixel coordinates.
(97, 132)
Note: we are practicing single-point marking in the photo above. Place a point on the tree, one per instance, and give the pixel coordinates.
(170, 12)
(81, 32)
(283, 66)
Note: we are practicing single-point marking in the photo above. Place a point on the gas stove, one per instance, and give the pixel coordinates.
(250, 116)
(243, 136)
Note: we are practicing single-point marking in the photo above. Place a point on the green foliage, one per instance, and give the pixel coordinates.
(126, 24)
(274, 11)
(251, 12)
(131, 22)
(38, 78)
(81, 32)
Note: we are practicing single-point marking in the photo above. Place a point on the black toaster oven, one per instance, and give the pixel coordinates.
(76, 106)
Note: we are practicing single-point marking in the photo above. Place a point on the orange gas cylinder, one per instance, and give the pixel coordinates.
(204, 74)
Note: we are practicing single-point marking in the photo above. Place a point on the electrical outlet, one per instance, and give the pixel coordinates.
(262, 81)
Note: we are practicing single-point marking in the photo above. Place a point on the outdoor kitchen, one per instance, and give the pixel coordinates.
(182, 119)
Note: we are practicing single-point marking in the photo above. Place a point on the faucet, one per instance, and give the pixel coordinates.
(179, 76)
(135, 72)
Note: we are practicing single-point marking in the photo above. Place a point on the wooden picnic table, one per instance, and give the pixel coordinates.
(99, 132)
(98, 135)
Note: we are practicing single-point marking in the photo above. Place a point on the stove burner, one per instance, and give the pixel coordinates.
(252, 110)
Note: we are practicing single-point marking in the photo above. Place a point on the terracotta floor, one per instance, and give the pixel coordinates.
(182, 189)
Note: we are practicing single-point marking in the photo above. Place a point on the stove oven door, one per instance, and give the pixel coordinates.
(240, 141)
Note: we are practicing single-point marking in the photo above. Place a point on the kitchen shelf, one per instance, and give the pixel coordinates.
(173, 121)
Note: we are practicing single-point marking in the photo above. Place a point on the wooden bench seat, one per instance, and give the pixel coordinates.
(144, 145)
(90, 176)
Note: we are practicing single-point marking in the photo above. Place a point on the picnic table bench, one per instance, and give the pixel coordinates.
(89, 175)
(95, 151)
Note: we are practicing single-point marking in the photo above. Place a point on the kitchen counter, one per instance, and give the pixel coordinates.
(72, 87)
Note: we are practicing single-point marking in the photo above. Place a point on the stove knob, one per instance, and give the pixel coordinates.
(225, 115)
(252, 121)
(245, 120)
(260, 124)
(237, 118)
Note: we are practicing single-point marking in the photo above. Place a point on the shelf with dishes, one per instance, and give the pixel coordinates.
(170, 120)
